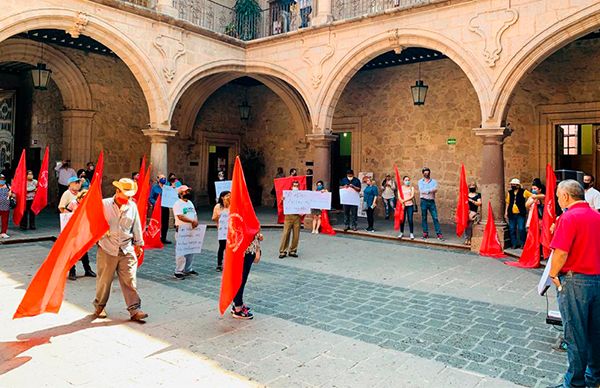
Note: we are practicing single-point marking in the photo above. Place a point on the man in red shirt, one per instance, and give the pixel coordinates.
(575, 271)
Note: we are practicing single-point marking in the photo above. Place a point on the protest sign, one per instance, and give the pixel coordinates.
(169, 196)
(349, 197)
(221, 186)
(189, 240)
(296, 201)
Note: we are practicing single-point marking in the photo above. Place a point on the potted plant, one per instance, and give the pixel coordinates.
(247, 14)
(253, 163)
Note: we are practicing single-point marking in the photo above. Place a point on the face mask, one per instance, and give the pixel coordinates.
(172, 180)
(407, 183)
(514, 187)
(162, 181)
(187, 196)
(586, 185)
(91, 168)
(472, 189)
(534, 191)
(2, 182)
(350, 177)
(294, 188)
(319, 187)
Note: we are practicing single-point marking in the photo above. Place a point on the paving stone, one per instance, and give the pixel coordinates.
(473, 356)
(488, 370)
(445, 349)
(462, 341)
(518, 378)
(552, 366)
(454, 361)
(494, 344)
(540, 374)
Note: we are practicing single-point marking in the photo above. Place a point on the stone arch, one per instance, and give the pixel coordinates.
(135, 59)
(72, 84)
(535, 52)
(197, 86)
(371, 47)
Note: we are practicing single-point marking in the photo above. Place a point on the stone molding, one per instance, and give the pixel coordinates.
(491, 133)
(315, 57)
(490, 26)
(81, 20)
(320, 140)
(171, 50)
(159, 135)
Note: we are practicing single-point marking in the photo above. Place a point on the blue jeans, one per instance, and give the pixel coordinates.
(183, 263)
(389, 205)
(516, 228)
(429, 205)
(408, 215)
(579, 303)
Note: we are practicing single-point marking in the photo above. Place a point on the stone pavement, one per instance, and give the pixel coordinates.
(349, 312)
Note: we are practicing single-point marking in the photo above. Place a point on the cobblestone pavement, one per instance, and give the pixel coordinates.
(349, 312)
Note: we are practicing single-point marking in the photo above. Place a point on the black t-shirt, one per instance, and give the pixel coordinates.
(472, 206)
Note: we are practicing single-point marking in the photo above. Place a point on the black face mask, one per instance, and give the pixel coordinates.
(187, 196)
(514, 187)
(586, 185)
(472, 189)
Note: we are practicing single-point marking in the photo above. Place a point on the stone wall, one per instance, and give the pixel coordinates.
(396, 132)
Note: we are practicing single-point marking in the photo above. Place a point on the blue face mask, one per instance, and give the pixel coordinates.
(162, 181)
(2, 182)
(319, 187)
(533, 191)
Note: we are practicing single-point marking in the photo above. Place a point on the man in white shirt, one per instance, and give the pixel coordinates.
(185, 214)
(592, 196)
(64, 171)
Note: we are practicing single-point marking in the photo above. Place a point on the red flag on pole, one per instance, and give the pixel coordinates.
(490, 245)
(549, 216)
(530, 258)
(142, 202)
(46, 290)
(19, 188)
(99, 169)
(326, 227)
(399, 211)
(286, 184)
(243, 227)
(152, 231)
(40, 201)
(462, 209)
(143, 175)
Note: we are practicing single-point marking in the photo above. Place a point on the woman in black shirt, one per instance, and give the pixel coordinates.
(474, 205)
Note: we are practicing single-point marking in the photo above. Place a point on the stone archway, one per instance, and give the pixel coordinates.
(396, 40)
(94, 27)
(535, 52)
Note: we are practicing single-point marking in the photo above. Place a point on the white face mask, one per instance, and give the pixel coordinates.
(294, 188)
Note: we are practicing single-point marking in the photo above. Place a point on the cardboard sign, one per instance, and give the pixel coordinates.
(221, 186)
(349, 197)
(545, 281)
(64, 219)
(296, 201)
(188, 240)
(320, 200)
(286, 184)
(169, 196)
(223, 225)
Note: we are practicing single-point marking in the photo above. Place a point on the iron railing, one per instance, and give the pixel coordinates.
(348, 9)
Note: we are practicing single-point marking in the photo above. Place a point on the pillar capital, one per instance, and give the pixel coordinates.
(320, 139)
(158, 135)
(493, 133)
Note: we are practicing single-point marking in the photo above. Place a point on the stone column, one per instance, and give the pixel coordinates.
(158, 149)
(491, 183)
(166, 7)
(321, 157)
(77, 136)
(323, 13)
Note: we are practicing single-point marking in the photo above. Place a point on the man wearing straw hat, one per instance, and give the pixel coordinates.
(118, 250)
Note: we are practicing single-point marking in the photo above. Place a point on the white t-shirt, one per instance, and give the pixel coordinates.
(592, 196)
(184, 208)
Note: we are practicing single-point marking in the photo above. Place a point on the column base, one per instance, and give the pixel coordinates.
(478, 230)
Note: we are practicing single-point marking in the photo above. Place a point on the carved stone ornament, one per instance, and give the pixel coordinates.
(171, 49)
(80, 22)
(490, 26)
(395, 42)
(315, 57)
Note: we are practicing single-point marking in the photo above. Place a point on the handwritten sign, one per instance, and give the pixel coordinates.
(223, 225)
(221, 186)
(188, 240)
(296, 201)
(349, 197)
(169, 196)
(64, 220)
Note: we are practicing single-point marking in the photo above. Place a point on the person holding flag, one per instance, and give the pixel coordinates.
(406, 199)
(252, 255)
(118, 250)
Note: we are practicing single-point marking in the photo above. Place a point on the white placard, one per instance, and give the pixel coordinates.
(545, 281)
(64, 219)
(223, 225)
(169, 196)
(296, 201)
(221, 186)
(320, 200)
(349, 197)
(188, 240)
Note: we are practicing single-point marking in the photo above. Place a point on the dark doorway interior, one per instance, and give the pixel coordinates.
(341, 161)
(218, 160)
(577, 147)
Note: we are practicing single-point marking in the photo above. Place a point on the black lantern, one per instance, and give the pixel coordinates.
(40, 76)
(245, 108)
(419, 90)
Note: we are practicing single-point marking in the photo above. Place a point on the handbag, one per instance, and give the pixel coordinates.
(12, 202)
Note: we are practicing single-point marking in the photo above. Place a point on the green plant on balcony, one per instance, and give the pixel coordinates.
(247, 14)
(231, 30)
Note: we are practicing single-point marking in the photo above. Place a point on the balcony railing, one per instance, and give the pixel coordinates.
(348, 9)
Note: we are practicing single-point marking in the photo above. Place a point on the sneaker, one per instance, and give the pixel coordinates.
(4, 235)
(401, 235)
(440, 237)
(89, 273)
(412, 236)
(72, 275)
(191, 273)
(244, 308)
(219, 268)
(242, 314)
(346, 229)
(425, 236)
(293, 254)
(179, 276)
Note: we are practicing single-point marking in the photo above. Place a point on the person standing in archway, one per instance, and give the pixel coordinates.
(428, 188)
(221, 217)
(291, 225)
(516, 213)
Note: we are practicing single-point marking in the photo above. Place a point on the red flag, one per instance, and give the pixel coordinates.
(462, 209)
(549, 216)
(152, 231)
(286, 184)
(142, 202)
(490, 245)
(19, 188)
(326, 227)
(143, 175)
(530, 258)
(41, 195)
(46, 290)
(399, 211)
(243, 227)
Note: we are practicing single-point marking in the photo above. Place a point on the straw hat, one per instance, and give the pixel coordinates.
(127, 186)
